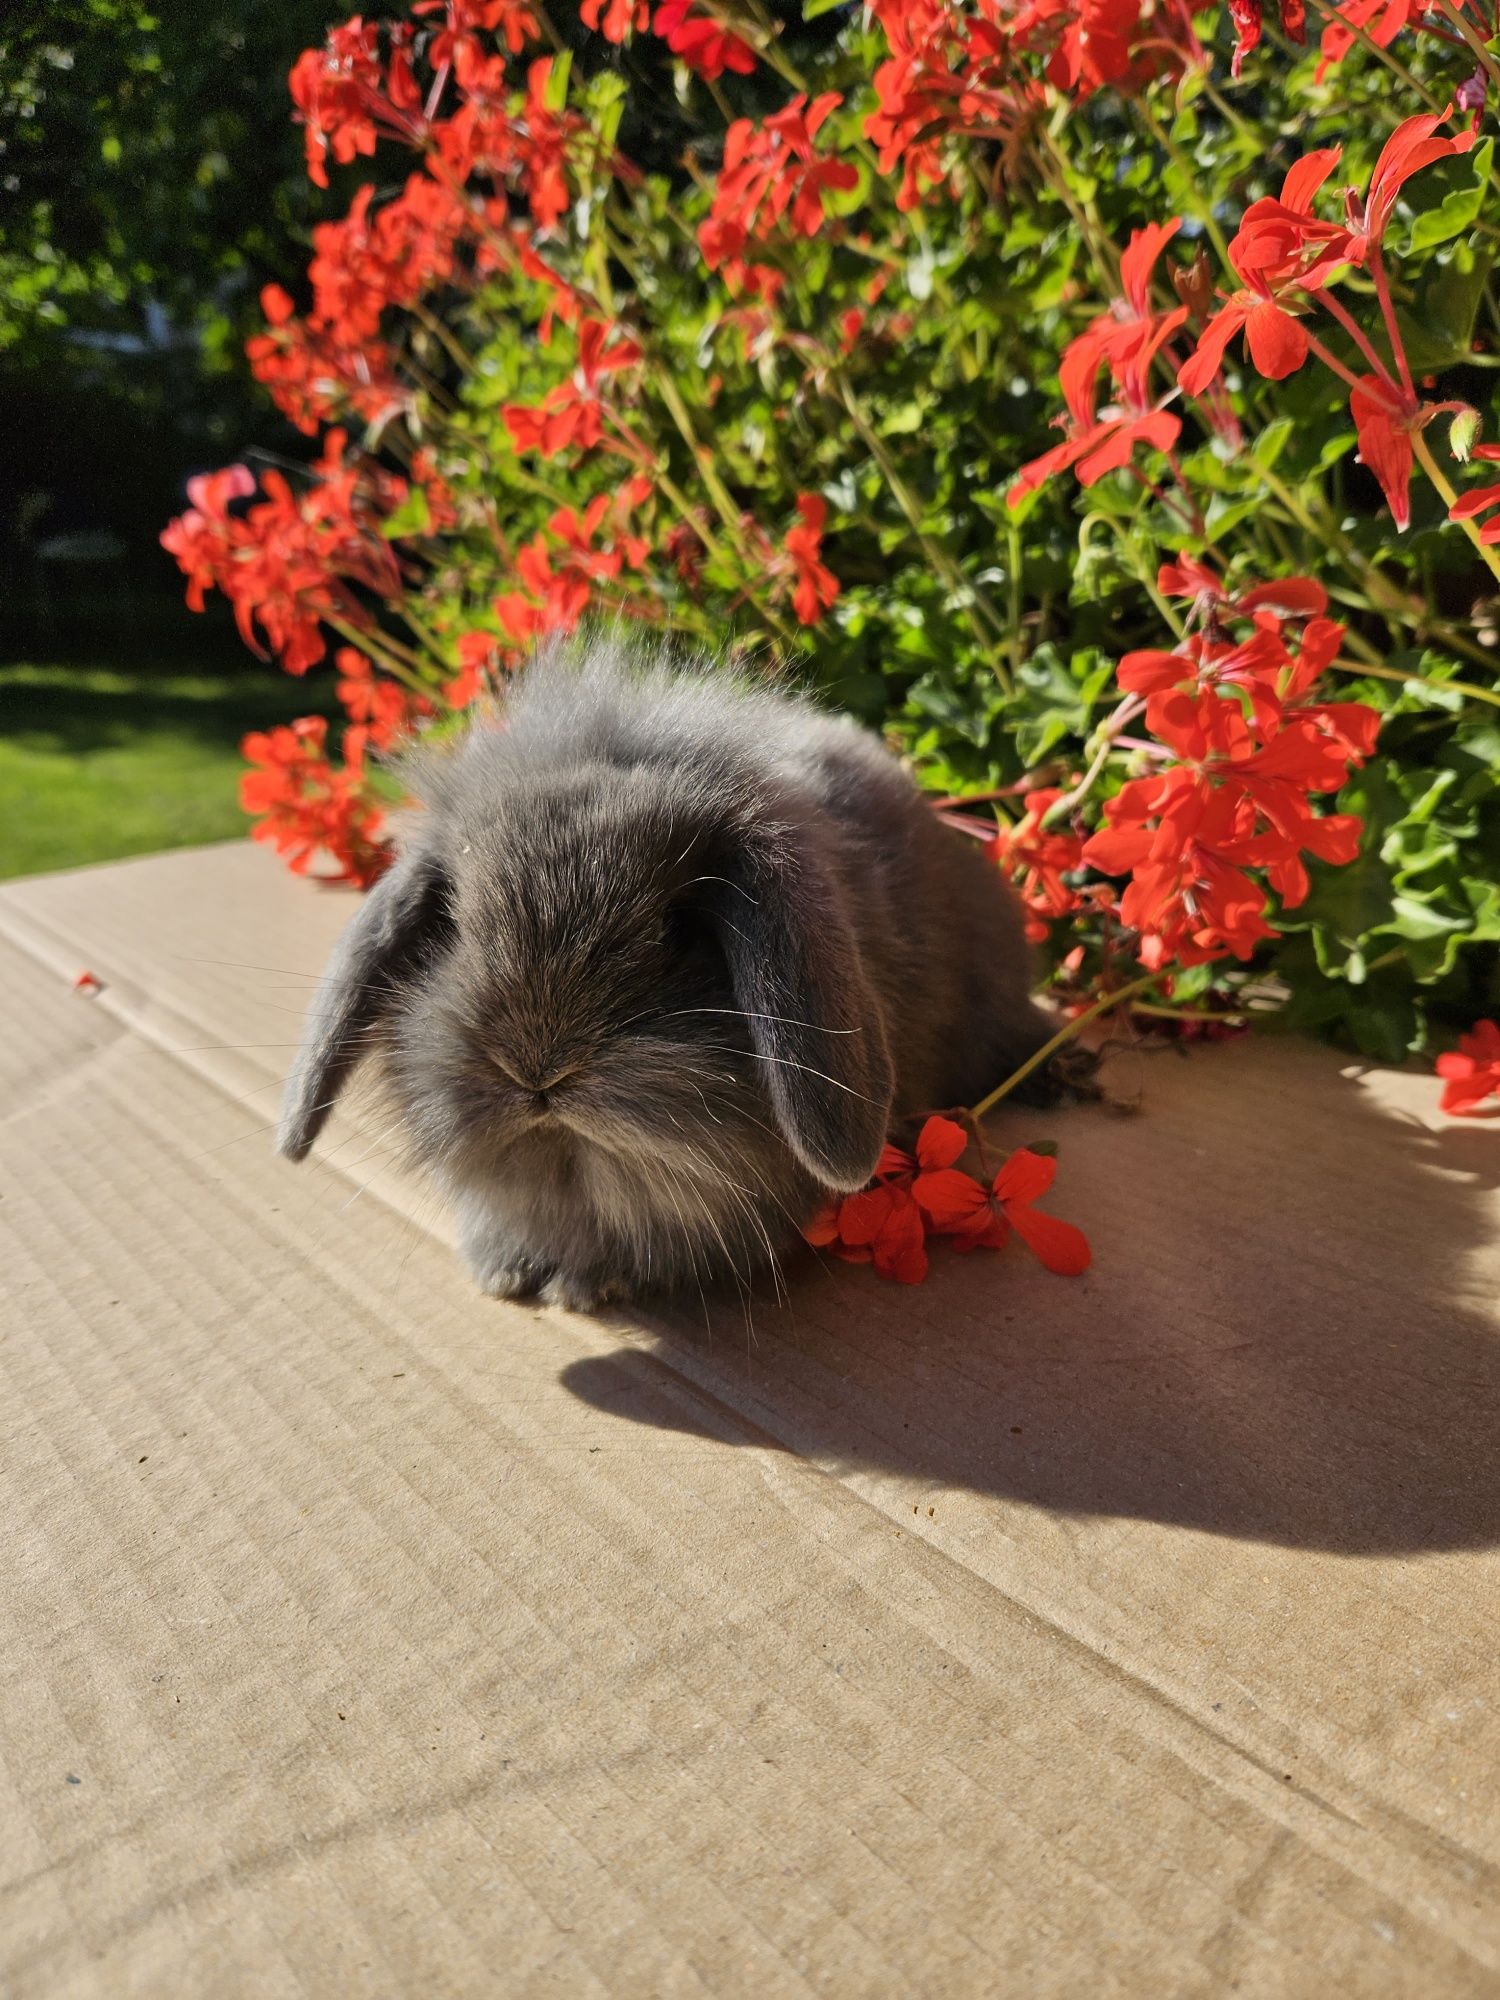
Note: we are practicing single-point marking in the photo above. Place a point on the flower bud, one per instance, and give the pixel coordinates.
(1463, 434)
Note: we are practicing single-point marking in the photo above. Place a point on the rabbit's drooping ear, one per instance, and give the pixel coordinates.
(395, 919)
(812, 1015)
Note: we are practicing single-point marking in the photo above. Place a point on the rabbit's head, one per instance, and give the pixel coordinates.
(652, 960)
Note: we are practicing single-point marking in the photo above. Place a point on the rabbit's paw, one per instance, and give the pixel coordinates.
(582, 1291)
(502, 1273)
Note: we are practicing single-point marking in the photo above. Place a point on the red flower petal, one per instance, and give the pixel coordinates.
(1384, 445)
(1277, 342)
(948, 1196)
(1025, 1177)
(863, 1216)
(899, 1252)
(823, 1227)
(940, 1142)
(1208, 357)
(1057, 1245)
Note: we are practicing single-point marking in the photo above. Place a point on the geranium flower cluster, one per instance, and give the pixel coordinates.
(772, 170)
(1232, 707)
(1379, 22)
(307, 808)
(978, 71)
(571, 415)
(1125, 341)
(917, 1197)
(731, 403)
(1287, 256)
(293, 561)
(562, 569)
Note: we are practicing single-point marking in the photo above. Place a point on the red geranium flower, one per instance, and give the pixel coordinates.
(985, 1220)
(1478, 500)
(512, 19)
(1281, 250)
(1472, 1072)
(570, 414)
(1410, 147)
(770, 169)
(1381, 20)
(1037, 858)
(913, 1196)
(1384, 421)
(615, 19)
(883, 1225)
(1126, 340)
(706, 48)
(309, 807)
(816, 585)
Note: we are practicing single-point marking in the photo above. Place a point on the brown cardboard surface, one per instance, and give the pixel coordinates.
(1134, 1635)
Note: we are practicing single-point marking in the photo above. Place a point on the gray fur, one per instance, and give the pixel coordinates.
(662, 961)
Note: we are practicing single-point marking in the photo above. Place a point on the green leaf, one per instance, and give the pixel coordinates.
(410, 518)
(555, 96)
(1440, 330)
(1459, 207)
(1272, 441)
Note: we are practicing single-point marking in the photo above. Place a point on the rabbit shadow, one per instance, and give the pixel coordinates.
(1284, 1337)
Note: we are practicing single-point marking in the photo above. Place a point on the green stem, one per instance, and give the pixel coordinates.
(770, 47)
(1064, 1035)
(747, 561)
(1106, 257)
(682, 417)
(1435, 473)
(370, 643)
(1128, 709)
(1227, 111)
(455, 352)
(1014, 563)
(1381, 590)
(1358, 335)
(1486, 61)
(1466, 688)
(936, 554)
(1397, 951)
(1371, 47)
(1184, 166)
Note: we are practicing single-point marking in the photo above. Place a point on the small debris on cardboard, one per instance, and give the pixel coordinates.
(88, 983)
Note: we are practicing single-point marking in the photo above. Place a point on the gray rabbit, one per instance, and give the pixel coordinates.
(659, 965)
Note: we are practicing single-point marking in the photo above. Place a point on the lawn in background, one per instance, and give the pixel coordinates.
(100, 762)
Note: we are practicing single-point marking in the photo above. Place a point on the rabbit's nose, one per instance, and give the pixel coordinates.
(534, 1077)
(543, 1093)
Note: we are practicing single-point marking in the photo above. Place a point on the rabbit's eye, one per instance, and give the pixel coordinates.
(686, 927)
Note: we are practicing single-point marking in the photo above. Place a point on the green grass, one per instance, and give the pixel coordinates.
(101, 762)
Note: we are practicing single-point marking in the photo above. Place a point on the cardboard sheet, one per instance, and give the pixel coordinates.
(1134, 1635)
